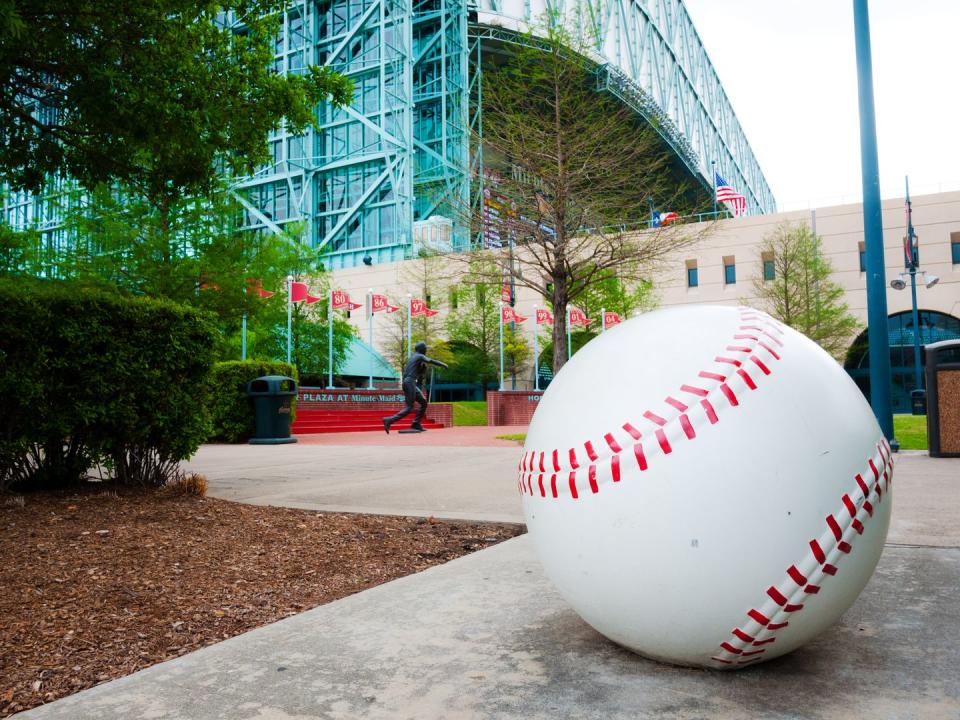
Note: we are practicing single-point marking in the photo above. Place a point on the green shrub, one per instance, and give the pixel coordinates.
(232, 410)
(89, 376)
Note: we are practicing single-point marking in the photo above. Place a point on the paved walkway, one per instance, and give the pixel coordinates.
(486, 636)
(458, 473)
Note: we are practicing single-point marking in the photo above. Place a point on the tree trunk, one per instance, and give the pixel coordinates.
(559, 323)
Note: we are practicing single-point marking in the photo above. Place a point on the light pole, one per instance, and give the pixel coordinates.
(877, 335)
(911, 260)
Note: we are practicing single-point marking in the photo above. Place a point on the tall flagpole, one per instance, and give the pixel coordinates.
(289, 318)
(713, 167)
(330, 343)
(501, 345)
(569, 343)
(603, 320)
(243, 338)
(536, 351)
(409, 324)
(370, 332)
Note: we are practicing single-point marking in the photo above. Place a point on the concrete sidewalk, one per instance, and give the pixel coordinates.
(460, 482)
(486, 636)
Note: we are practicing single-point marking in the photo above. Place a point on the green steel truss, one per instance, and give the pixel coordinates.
(358, 187)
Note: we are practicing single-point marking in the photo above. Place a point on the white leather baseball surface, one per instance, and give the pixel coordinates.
(706, 486)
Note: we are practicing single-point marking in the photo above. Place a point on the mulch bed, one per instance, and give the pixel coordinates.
(97, 585)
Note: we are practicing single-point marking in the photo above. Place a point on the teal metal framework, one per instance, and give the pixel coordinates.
(362, 185)
(401, 153)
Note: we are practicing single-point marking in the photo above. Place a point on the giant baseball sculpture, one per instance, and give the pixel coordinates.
(706, 486)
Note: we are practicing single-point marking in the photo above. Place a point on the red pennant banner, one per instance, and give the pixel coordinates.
(611, 318)
(544, 316)
(392, 308)
(351, 305)
(510, 315)
(379, 303)
(298, 292)
(340, 300)
(255, 286)
(577, 317)
(418, 307)
(311, 299)
(430, 313)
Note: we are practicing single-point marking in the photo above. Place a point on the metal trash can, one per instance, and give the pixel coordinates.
(272, 397)
(943, 398)
(918, 402)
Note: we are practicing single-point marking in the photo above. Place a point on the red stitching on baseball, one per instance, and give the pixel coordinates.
(633, 432)
(641, 458)
(664, 443)
(591, 453)
(553, 484)
(654, 418)
(828, 569)
(747, 379)
(687, 427)
(728, 393)
(711, 376)
(543, 492)
(759, 363)
(542, 468)
(701, 392)
(573, 484)
(673, 402)
(755, 338)
(711, 413)
(728, 361)
(592, 476)
(764, 642)
(730, 648)
(611, 441)
(769, 350)
(573, 459)
(739, 348)
(876, 474)
(615, 467)
(742, 635)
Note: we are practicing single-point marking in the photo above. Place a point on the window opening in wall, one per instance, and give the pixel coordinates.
(692, 277)
(769, 271)
(729, 270)
(955, 248)
(863, 257)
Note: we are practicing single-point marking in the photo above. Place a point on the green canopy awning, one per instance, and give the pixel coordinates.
(357, 362)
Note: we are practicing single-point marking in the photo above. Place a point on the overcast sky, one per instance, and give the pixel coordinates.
(789, 69)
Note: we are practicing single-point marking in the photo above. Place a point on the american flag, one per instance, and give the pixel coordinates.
(736, 202)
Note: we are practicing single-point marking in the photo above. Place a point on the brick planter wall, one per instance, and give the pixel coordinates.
(343, 399)
(512, 407)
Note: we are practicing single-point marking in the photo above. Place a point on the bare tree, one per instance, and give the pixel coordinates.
(580, 174)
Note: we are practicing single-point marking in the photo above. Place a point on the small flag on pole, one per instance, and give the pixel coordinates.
(510, 315)
(577, 317)
(419, 307)
(610, 319)
(341, 301)
(312, 299)
(505, 293)
(379, 303)
(664, 218)
(735, 202)
(298, 292)
(544, 316)
(255, 285)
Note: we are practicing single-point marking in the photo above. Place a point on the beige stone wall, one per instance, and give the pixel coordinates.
(935, 217)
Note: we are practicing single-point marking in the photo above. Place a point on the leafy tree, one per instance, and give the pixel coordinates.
(162, 95)
(801, 294)
(583, 168)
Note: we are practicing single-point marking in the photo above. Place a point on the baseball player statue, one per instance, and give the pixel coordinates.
(413, 377)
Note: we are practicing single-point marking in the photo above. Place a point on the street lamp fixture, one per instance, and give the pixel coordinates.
(930, 280)
(898, 283)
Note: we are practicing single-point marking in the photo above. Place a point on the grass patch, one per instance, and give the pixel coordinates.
(469, 412)
(519, 437)
(910, 431)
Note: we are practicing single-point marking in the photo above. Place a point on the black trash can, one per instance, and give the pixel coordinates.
(918, 402)
(943, 398)
(272, 397)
